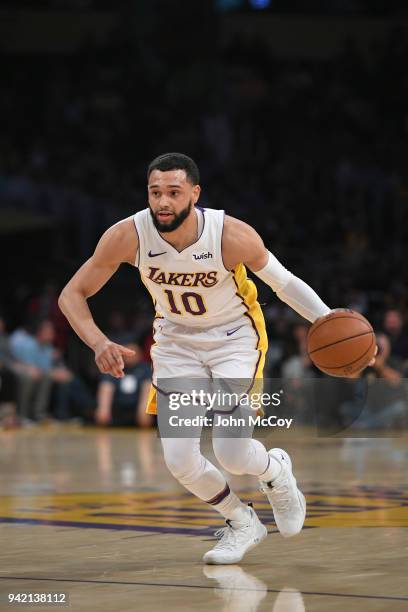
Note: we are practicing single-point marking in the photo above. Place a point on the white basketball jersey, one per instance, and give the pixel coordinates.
(192, 287)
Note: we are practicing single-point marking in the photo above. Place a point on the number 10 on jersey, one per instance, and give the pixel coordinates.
(192, 303)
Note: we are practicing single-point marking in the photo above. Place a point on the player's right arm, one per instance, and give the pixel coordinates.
(118, 245)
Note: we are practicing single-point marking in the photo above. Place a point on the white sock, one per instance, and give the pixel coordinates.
(230, 506)
(272, 471)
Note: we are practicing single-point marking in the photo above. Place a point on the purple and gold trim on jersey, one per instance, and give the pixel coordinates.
(247, 292)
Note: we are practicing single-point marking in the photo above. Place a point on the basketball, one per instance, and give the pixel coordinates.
(342, 343)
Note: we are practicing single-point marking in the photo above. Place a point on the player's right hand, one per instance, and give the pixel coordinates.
(109, 357)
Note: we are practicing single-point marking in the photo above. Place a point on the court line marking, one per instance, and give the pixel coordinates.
(206, 532)
(203, 586)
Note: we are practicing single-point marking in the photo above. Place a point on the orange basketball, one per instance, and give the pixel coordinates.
(341, 343)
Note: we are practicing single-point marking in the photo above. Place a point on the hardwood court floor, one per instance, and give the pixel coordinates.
(95, 513)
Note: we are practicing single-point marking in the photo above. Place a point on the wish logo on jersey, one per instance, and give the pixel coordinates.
(202, 256)
(183, 279)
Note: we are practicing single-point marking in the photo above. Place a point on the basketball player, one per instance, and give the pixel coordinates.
(208, 324)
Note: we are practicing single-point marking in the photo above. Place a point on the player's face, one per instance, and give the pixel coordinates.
(171, 198)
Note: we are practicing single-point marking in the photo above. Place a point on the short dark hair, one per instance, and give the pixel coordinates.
(176, 161)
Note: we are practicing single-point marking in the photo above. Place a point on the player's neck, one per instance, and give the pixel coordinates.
(186, 234)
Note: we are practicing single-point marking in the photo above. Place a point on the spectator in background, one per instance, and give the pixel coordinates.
(295, 369)
(397, 333)
(39, 365)
(118, 327)
(386, 404)
(44, 305)
(297, 364)
(8, 382)
(122, 401)
(389, 365)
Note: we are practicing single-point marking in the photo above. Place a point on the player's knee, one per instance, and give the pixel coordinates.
(230, 455)
(185, 467)
(175, 465)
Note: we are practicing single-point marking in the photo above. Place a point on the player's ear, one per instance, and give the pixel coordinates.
(196, 193)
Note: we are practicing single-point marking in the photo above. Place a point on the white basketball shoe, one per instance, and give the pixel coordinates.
(235, 540)
(288, 503)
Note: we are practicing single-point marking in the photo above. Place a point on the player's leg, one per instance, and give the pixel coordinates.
(276, 481)
(174, 355)
(239, 357)
(197, 474)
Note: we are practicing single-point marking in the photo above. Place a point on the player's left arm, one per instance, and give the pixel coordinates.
(242, 244)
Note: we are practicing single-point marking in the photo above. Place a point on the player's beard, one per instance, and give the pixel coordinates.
(175, 223)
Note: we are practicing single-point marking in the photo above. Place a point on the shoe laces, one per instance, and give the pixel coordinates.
(228, 536)
(279, 494)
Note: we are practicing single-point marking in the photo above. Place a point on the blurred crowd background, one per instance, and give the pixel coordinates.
(298, 120)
